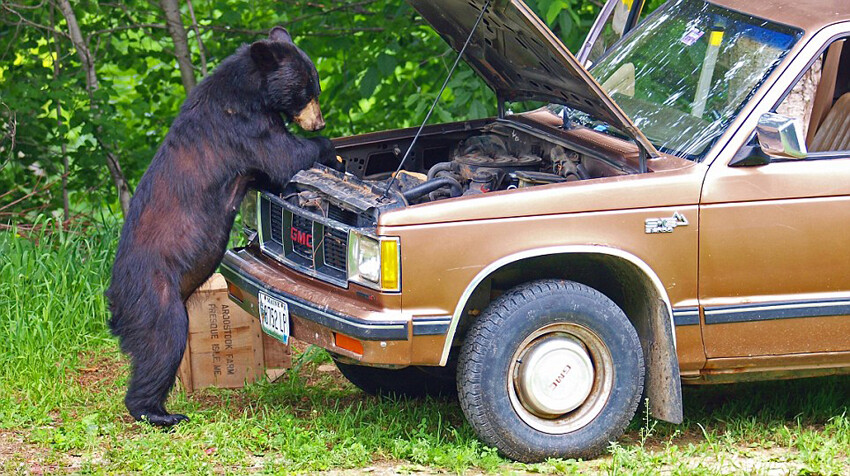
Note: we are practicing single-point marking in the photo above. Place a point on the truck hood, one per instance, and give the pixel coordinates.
(521, 59)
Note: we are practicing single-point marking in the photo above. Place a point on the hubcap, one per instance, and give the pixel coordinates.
(555, 376)
(560, 378)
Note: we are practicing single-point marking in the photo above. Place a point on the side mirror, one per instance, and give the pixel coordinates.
(781, 137)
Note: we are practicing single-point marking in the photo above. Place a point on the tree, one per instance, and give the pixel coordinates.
(171, 10)
(103, 80)
(88, 65)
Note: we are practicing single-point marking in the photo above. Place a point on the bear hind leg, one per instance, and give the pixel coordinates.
(156, 352)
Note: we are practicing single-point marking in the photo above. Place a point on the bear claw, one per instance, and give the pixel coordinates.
(166, 420)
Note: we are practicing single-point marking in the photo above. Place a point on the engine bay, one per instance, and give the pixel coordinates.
(444, 164)
(485, 163)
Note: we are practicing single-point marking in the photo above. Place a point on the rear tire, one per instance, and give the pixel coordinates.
(409, 382)
(551, 369)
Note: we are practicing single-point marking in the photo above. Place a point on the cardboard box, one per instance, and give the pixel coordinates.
(226, 346)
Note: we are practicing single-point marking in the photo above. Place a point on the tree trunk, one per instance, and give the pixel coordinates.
(181, 42)
(121, 184)
(201, 51)
(800, 100)
(66, 206)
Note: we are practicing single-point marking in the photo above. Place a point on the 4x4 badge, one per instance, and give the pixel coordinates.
(665, 225)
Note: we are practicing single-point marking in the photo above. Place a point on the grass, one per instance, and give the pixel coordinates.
(62, 381)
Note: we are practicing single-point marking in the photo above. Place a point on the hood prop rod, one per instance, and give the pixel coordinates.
(436, 100)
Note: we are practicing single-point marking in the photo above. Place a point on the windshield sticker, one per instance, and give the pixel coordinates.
(692, 34)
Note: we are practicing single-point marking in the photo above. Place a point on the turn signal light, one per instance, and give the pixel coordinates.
(350, 344)
(235, 292)
(389, 264)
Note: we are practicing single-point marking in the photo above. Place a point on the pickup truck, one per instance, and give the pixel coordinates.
(676, 214)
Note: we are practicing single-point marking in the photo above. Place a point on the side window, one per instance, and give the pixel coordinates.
(820, 100)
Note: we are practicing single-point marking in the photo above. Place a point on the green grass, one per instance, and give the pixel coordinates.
(62, 381)
(51, 308)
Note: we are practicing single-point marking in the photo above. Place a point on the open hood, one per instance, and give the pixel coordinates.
(521, 59)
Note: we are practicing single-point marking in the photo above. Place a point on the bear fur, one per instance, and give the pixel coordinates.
(229, 134)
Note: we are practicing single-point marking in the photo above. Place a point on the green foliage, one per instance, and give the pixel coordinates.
(380, 66)
(569, 19)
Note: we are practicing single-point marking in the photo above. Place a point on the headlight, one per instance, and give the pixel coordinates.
(366, 259)
(249, 210)
(374, 263)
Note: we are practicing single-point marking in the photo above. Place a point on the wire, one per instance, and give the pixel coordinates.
(436, 100)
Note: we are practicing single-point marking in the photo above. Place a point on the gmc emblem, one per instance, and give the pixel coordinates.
(301, 237)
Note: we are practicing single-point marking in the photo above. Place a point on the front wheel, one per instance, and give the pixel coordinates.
(551, 369)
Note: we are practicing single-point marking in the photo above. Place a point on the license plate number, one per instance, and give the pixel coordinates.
(274, 317)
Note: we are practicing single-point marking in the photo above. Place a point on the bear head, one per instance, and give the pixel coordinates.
(291, 82)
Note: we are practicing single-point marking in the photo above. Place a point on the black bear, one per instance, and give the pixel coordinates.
(230, 132)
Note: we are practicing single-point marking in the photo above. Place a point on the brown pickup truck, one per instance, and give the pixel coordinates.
(679, 213)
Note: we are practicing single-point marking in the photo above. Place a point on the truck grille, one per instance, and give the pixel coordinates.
(305, 242)
(301, 235)
(276, 217)
(342, 216)
(336, 248)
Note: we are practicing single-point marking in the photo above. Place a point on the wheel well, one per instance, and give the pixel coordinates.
(621, 281)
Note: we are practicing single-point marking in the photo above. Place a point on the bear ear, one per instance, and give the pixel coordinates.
(264, 56)
(280, 34)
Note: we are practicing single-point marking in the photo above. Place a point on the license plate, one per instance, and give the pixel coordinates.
(274, 317)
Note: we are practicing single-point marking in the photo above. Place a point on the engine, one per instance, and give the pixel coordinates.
(489, 162)
(445, 165)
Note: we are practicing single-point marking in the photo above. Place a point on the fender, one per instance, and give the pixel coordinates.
(663, 383)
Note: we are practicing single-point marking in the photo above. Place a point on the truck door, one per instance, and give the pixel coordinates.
(774, 272)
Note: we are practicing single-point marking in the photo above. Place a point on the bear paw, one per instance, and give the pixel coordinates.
(164, 420)
(327, 154)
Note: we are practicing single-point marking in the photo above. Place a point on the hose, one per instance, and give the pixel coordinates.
(439, 167)
(434, 184)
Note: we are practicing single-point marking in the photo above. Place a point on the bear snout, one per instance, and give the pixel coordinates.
(310, 118)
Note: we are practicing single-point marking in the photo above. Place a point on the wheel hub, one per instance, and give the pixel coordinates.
(554, 376)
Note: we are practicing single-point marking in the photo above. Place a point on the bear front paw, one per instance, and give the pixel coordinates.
(328, 155)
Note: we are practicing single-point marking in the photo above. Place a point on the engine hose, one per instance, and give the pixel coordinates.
(582, 172)
(432, 185)
(439, 167)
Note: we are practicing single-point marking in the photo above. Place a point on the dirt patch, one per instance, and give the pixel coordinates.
(394, 468)
(681, 438)
(775, 461)
(97, 369)
(235, 401)
(17, 455)
(326, 375)
(762, 461)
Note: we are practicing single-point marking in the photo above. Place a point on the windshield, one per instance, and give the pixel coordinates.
(684, 73)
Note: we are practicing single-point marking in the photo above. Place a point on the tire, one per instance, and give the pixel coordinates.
(531, 345)
(408, 382)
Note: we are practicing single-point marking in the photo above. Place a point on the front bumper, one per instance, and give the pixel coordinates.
(320, 312)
